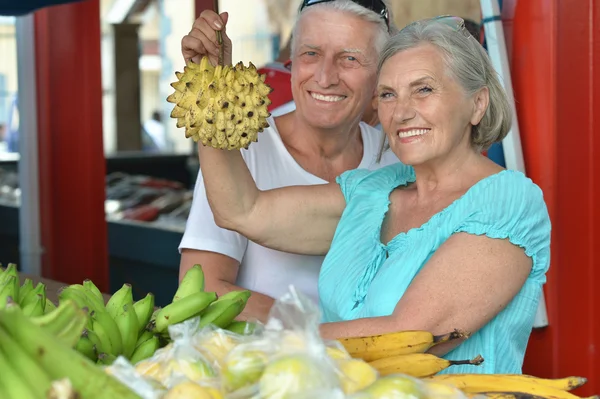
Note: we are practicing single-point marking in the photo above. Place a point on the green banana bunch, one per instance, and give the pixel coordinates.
(129, 328)
(26, 287)
(192, 282)
(241, 327)
(11, 270)
(25, 370)
(146, 345)
(108, 332)
(9, 290)
(35, 307)
(31, 295)
(123, 296)
(144, 308)
(224, 310)
(185, 308)
(56, 359)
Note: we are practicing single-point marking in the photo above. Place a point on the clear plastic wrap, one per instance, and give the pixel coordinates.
(180, 360)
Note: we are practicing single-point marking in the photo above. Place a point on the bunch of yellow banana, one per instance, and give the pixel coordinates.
(382, 346)
(511, 386)
(36, 364)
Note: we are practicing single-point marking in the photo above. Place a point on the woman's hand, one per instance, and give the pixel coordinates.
(202, 39)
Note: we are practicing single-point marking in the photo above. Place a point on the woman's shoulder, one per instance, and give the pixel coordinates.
(383, 178)
(507, 187)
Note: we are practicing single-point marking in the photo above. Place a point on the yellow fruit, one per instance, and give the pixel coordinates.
(224, 106)
(293, 374)
(194, 370)
(337, 353)
(189, 390)
(149, 368)
(243, 368)
(356, 375)
(394, 387)
(215, 346)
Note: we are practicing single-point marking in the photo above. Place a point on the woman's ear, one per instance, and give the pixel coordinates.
(481, 100)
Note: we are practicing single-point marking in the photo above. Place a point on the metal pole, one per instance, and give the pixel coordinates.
(29, 211)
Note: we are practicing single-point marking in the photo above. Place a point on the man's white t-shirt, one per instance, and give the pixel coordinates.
(264, 270)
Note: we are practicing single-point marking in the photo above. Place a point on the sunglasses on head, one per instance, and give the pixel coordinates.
(377, 6)
(456, 23)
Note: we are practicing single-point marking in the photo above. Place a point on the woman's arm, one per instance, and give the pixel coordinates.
(465, 284)
(298, 219)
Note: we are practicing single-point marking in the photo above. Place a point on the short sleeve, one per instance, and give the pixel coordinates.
(511, 207)
(202, 233)
(349, 180)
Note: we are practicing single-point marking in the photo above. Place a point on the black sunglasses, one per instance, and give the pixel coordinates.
(377, 6)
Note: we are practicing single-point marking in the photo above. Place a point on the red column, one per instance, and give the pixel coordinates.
(71, 155)
(206, 5)
(556, 49)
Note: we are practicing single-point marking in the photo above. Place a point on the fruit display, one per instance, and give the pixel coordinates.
(221, 106)
(86, 347)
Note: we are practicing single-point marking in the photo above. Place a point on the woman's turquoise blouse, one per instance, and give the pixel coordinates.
(362, 277)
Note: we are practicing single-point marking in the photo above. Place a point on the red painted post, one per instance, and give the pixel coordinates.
(556, 52)
(71, 154)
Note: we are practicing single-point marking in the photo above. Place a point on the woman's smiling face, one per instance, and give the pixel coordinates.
(424, 111)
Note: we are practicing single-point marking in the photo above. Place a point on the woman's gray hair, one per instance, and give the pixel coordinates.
(469, 64)
(383, 33)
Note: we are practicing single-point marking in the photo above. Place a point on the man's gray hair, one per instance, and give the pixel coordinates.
(351, 7)
(469, 64)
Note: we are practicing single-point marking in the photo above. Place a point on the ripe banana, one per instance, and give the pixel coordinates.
(36, 307)
(33, 375)
(104, 324)
(417, 364)
(504, 395)
(222, 312)
(12, 381)
(26, 287)
(123, 296)
(10, 289)
(565, 384)
(145, 350)
(90, 286)
(192, 282)
(396, 343)
(59, 361)
(143, 310)
(183, 309)
(128, 327)
(479, 383)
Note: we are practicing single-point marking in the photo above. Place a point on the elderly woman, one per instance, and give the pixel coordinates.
(451, 241)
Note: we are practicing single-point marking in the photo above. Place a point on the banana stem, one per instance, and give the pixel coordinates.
(221, 48)
(476, 362)
(456, 334)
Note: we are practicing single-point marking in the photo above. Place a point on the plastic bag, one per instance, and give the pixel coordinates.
(288, 359)
(180, 359)
(145, 387)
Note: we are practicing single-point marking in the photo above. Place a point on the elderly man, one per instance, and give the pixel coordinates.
(334, 64)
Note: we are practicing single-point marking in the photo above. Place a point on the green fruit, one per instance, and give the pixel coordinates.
(395, 387)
